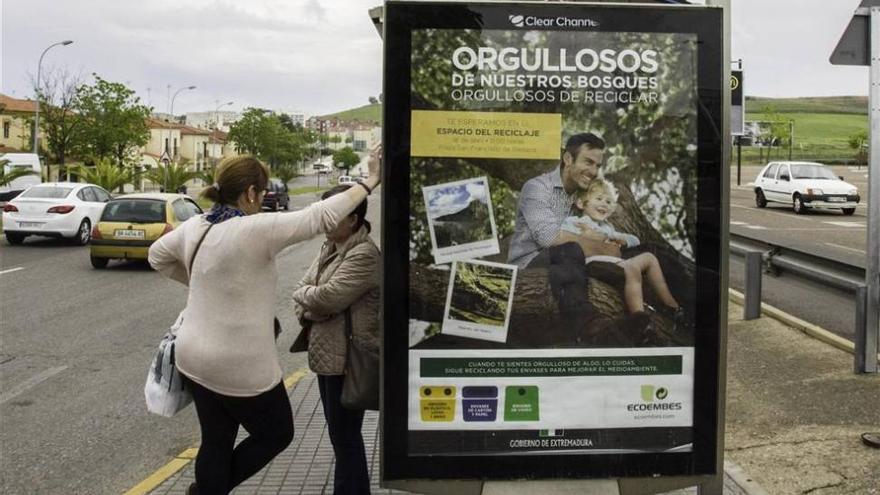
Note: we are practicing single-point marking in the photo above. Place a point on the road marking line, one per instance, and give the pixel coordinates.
(771, 212)
(30, 383)
(732, 222)
(12, 270)
(846, 224)
(756, 227)
(845, 247)
(182, 459)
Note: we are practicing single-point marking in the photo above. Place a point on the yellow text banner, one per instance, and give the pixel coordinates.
(486, 134)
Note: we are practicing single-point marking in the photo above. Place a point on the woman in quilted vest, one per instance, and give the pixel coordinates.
(344, 278)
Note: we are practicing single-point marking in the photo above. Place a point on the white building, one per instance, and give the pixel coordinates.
(212, 120)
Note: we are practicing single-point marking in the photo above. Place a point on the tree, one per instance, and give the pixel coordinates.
(114, 122)
(6, 178)
(285, 173)
(859, 143)
(106, 174)
(345, 158)
(173, 176)
(273, 139)
(651, 159)
(373, 100)
(59, 121)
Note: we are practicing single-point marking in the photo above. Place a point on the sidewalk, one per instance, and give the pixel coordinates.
(795, 412)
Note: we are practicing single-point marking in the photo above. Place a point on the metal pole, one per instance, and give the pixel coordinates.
(170, 134)
(790, 138)
(739, 160)
(872, 265)
(37, 99)
(752, 306)
(861, 326)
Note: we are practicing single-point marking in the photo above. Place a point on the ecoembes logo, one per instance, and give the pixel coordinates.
(654, 399)
(533, 21)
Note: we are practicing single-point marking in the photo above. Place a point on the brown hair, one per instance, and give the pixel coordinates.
(233, 176)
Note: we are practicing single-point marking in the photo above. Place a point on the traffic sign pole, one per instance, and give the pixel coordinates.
(872, 272)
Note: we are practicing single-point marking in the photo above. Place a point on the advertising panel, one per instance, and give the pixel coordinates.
(551, 240)
(737, 103)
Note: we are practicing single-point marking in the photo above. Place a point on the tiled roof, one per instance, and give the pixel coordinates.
(10, 149)
(193, 131)
(161, 124)
(9, 104)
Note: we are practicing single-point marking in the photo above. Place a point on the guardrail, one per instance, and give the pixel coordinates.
(761, 256)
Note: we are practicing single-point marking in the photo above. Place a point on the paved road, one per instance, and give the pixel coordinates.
(826, 233)
(76, 344)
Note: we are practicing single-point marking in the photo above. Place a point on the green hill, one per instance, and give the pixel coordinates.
(371, 113)
(831, 104)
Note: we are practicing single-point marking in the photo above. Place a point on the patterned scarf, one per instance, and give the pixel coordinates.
(220, 213)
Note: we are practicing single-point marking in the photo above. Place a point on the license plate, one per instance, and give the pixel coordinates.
(836, 199)
(128, 234)
(30, 225)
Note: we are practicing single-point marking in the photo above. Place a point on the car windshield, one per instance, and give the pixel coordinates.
(134, 210)
(52, 192)
(812, 172)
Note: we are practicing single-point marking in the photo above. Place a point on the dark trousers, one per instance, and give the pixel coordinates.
(568, 276)
(344, 426)
(268, 419)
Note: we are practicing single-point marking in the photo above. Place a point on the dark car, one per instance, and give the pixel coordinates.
(276, 196)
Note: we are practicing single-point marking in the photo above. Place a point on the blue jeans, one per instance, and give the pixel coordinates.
(344, 426)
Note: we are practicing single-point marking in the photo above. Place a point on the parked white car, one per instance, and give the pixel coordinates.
(804, 185)
(54, 209)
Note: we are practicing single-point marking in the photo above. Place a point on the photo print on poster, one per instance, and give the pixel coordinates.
(479, 300)
(461, 220)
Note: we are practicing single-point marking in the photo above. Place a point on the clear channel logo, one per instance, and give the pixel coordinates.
(520, 20)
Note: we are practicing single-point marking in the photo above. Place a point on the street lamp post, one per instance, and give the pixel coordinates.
(39, 68)
(217, 111)
(171, 112)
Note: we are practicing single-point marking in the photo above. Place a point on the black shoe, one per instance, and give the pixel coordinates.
(192, 489)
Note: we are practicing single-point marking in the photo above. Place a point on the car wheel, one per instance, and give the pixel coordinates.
(99, 263)
(14, 239)
(848, 211)
(287, 205)
(760, 200)
(84, 234)
(798, 205)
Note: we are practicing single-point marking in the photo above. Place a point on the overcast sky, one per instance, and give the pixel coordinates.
(322, 56)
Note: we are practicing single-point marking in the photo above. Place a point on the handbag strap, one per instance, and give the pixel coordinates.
(349, 329)
(192, 259)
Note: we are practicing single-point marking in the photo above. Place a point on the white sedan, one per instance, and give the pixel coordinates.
(804, 185)
(54, 209)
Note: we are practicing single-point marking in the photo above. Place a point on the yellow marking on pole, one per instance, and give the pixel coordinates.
(182, 459)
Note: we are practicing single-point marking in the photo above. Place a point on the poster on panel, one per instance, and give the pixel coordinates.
(552, 162)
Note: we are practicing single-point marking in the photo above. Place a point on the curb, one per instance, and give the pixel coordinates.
(182, 459)
(805, 327)
(746, 484)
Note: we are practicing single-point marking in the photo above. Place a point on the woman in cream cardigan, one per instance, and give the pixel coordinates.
(226, 346)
